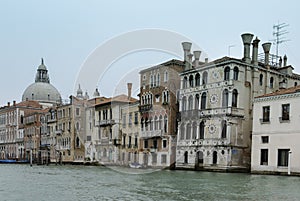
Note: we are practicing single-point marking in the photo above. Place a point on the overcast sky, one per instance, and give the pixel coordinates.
(65, 33)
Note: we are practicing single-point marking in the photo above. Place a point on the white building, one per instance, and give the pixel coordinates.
(276, 132)
(216, 100)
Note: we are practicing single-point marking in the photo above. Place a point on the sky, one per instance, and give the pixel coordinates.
(66, 34)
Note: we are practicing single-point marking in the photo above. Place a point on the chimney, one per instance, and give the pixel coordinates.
(8, 104)
(190, 60)
(280, 62)
(267, 47)
(14, 103)
(206, 60)
(255, 51)
(285, 60)
(247, 38)
(187, 49)
(129, 87)
(197, 58)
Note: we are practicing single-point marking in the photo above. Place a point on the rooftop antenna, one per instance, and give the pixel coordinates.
(279, 31)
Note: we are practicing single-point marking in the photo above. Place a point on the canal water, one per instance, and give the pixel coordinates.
(64, 183)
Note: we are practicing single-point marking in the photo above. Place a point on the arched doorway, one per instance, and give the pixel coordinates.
(186, 155)
(215, 157)
(199, 159)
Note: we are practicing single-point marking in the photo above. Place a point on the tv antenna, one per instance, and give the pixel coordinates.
(279, 32)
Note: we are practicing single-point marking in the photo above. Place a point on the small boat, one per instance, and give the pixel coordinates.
(135, 165)
(13, 161)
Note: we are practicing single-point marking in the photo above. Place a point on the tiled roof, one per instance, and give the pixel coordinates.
(282, 92)
(120, 99)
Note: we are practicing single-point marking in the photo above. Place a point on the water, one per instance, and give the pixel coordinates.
(64, 183)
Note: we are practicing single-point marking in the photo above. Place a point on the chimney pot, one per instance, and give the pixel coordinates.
(285, 60)
(187, 49)
(267, 47)
(197, 57)
(8, 104)
(206, 60)
(280, 61)
(14, 103)
(255, 51)
(247, 38)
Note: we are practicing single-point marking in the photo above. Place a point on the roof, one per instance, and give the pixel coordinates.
(167, 63)
(117, 99)
(291, 90)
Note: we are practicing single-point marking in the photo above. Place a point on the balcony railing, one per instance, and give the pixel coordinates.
(229, 111)
(105, 122)
(150, 134)
(145, 108)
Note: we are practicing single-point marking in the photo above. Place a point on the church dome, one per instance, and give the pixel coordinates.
(41, 90)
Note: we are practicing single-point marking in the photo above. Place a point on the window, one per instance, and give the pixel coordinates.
(295, 84)
(226, 73)
(261, 77)
(166, 76)
(182, 131)
(164, 143)
(158, 80)
(186, 155)
(155, 143)
(204, 78)
(197, 101)
(124, 140)
(185, 82)
(285, 112)
(129, 141)
(145, 144)
(136, 115)
(151, 81)
(164, 158)
(130, 119)
(201, 130)
(203, 101)
(155, 123)
(190, 102)
(183, 104)
(142, 124)
(234, 98)
(77, 111)
(225, 98)
(236, 73)
(197, 79)
(135, 142)
(166, 124)
(124, 120)
(266, 114)
(191, 81)
(188, 131)
(264, 157)
(194, 133)
(265, 139)
(283, 157)
(224, 129)
(271, 82)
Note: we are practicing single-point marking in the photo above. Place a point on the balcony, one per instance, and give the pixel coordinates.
(228, 111)
(59, 132)
(106, 122)
(150, 134)
(145, 108)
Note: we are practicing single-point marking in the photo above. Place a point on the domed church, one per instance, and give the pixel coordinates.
(41, 90)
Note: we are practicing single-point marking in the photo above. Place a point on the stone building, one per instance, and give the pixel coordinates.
(276, 138)
(12, 130)
(108, 121)
(216, 105)
(130, 134)
(158, 110)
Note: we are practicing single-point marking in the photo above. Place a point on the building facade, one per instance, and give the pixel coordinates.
(216, 104)
(158, 110)
(276, 138)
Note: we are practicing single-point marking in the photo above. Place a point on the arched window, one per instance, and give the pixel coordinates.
(142, 124)
(183, 104)
(155, 123)
(261, 78)
(186, 154)
(166, 124)
(197, 79)
(191, 81)
(190, 102)
(204, 78)
(185, 82)
(295, 84)
(160, 123)
(194, 132)
(154, 80)
(182, 129)
(271, 82)
(151, 123)
(236, 73)
(188, 131)
(225, 98)
(203, 101)
(234, 98)
(166, 76)
(224, 129)
(151, 81)
(146, 124)
(197, 98)
(158, 80)
(226, 73)
(201, 130)
(215, 157)
(77, 142)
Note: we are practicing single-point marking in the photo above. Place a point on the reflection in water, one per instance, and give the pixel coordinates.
(22, 182)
